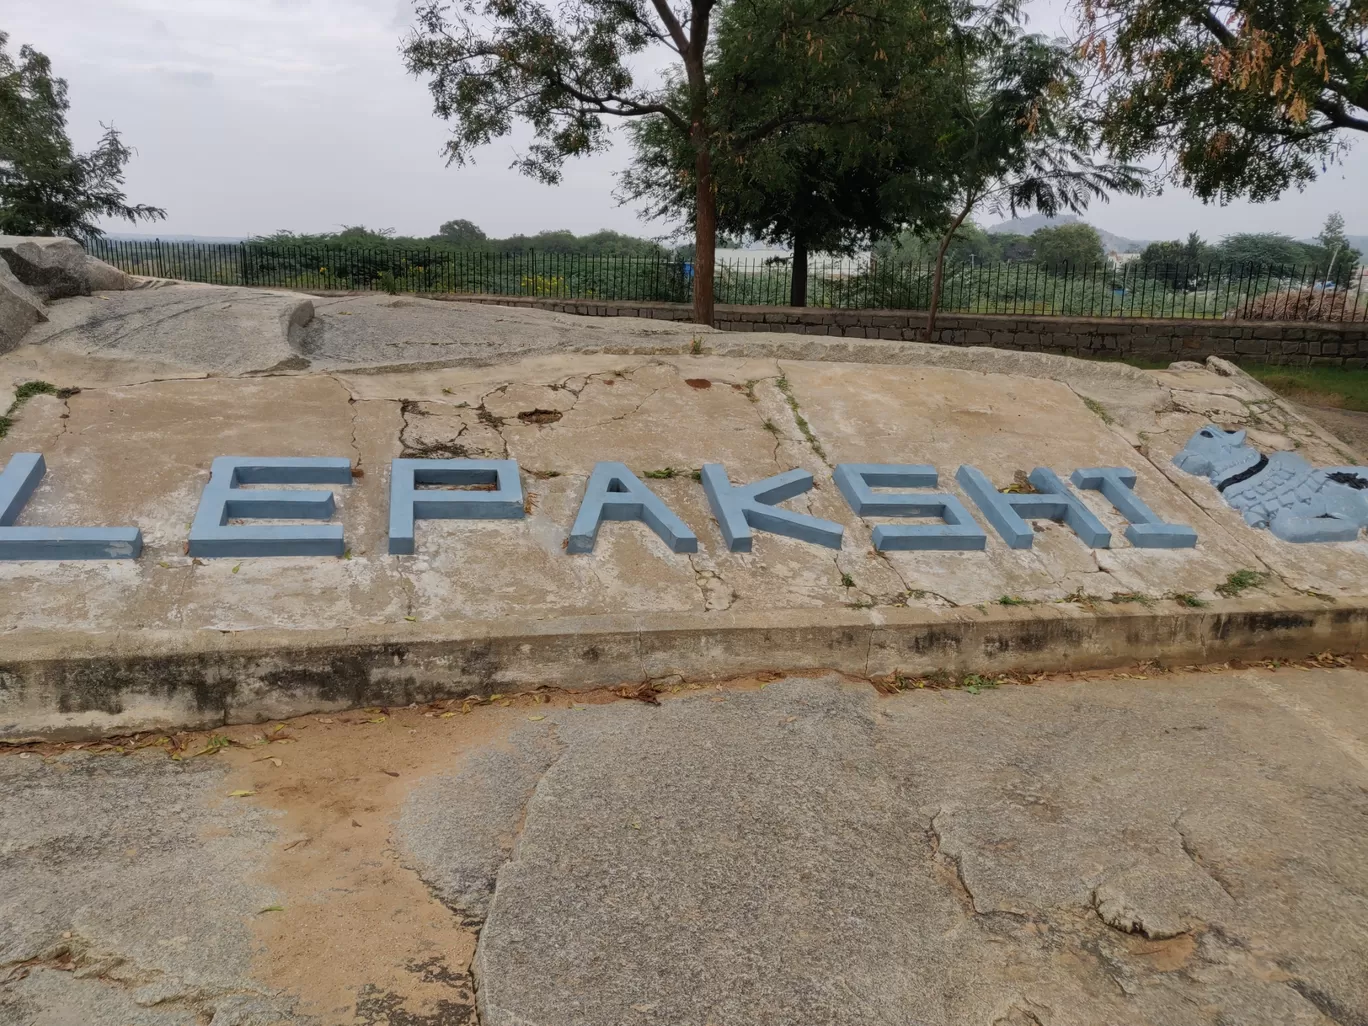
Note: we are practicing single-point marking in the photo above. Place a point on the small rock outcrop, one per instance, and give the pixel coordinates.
(35, 270)
(20, 308)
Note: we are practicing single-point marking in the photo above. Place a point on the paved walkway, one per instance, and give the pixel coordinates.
(1174, 850)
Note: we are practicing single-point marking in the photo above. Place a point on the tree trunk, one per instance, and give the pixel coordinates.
(705, 232)
(939, 277)
(798, 289)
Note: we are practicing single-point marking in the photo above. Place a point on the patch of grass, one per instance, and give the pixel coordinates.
(663, 474)
(1185, 598)
(1098, 409)
(1012, 600)
(5, 424)
(543, 475)
(1241, 580)
(1340, 387)
(696, 346)
(697, 475)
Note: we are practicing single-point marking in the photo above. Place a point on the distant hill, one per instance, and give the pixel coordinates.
(1027, 225)
(1359, 242)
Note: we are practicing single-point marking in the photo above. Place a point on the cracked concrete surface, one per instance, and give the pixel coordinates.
(139, 453)
(1168, 852)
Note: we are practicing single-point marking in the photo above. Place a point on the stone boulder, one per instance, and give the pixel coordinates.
(20, 309)
(55, 268)
(103, 277)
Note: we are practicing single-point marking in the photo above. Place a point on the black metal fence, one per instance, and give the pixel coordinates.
(1212, 290)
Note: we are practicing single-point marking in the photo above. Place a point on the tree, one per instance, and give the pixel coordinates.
(565, 68)
(1019, 137)
(1068, 245)
(46, 188)
(1338, 258)
(1251, 96)
(461, 233)
(1264, 249)
(828, 184)
(1190, 253)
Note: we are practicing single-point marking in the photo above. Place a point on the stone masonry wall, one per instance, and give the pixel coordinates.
(1299, 343)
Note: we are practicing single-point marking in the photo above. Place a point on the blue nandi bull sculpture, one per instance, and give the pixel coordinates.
(1282, 492)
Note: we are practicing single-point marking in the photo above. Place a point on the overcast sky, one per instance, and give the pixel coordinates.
(254, 115)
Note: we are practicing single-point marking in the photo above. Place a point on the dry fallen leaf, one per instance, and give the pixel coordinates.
(272, 908)
(534, 718)
(271, 759)
(449, 715)
(240, 794)
(389, 773)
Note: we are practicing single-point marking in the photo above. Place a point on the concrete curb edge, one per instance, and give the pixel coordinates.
(71, 685)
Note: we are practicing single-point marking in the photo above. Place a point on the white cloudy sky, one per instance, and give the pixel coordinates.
(254, 115)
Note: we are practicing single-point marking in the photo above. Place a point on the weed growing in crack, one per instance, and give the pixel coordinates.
(1131, 596)
(1184, 598)
(1013, 600)
(772, 428)
(1098, 409)
(663, 474)
(27, 391)
(697, 475)
(846, 580)
(783, 385)
(696, 346)
(976, 682)
(1241, 580)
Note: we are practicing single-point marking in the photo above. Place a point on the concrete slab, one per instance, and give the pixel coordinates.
(1143, 849)
(132, 451)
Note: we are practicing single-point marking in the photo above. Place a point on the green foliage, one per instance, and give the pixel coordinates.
(969, 244)
(460, 232)
(1192, 251)
(858, 163)
(1019, 137)
(1068, 245)
(1340, 259)
(466, 237)
(1344, 387)
(1264, 248)
(46, 188)
(1241, 580)
(1250, 97)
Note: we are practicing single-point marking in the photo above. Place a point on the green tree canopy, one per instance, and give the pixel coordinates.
(1266, 248)
(1340, 259)
(1250, 96)
(1068, 245)
(46, 188)
(865, 168)
(461, 233)
(1189, 252)
(1019, 138)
